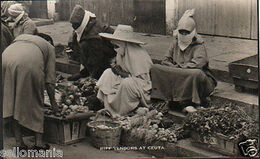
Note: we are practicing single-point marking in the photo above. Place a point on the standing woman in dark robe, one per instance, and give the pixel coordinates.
(6, 36)
(184, 74)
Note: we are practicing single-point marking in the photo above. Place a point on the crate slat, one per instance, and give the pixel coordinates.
(75, 130)
(65, 131)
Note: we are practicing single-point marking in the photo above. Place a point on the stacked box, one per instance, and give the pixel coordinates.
(67, 130)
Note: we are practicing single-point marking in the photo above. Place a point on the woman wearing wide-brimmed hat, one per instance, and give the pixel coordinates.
(95, 52)
(128, 82)
(184, 75)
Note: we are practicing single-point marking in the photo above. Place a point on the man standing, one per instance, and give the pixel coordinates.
(95, 52)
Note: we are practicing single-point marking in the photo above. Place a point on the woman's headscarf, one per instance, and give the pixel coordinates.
(17, 11)
(81, 16)
(187, 23)
(5, 6)
(134, 59)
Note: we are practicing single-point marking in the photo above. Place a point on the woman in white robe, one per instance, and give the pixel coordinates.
(127, 83)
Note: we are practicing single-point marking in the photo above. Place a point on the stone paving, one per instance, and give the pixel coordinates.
(221, 50)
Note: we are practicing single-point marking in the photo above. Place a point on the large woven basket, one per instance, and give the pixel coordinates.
(105, 137)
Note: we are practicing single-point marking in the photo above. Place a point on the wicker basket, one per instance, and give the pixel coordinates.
(105, 137)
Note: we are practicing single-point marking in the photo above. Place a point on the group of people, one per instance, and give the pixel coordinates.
(28, 68)
(127, 77)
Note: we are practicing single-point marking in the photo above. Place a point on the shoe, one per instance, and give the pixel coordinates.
(46, 147)
(189, 109)
(24, 147)
(74, 77)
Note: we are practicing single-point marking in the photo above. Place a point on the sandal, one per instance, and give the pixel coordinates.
(24, 147)
(46, 147)
(189, 109)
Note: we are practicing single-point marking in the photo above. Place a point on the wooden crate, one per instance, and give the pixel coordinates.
(217, 143)
(63, 65)
(245, 74)
(67, 130)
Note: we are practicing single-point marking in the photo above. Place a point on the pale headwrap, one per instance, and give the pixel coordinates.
(5, 6)
(134, 59)
(79, 31)
(186, 23)
(17, 11)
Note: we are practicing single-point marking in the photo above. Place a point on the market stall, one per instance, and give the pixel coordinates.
(218, 129)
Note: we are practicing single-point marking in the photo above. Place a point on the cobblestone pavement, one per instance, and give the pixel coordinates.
(221, 50)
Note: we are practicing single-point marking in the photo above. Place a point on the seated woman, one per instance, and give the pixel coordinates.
(183, 75)
(127, 83)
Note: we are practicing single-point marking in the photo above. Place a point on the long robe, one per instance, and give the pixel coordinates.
(95, 52)
(189, 79)
(6, 37)
(27, 65)
(25, 26)
(122, 95)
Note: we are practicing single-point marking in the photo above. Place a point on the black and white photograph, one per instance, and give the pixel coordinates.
(129, 79)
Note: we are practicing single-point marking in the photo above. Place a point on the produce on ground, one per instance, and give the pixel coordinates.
(76, 97)
(230, 121)
(146, 125)
(104, 127)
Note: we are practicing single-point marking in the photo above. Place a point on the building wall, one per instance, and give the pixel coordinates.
(38, 9)
(171, 15)
(51, 9)
(234, 18)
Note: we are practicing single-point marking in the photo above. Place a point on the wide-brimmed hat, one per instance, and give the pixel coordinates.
(123, 33)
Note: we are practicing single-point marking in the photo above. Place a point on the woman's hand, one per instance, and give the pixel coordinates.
(55, 107)
(51, 93)
(119, 71)
(168, 63)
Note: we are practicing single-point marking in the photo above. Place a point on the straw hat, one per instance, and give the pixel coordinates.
(122, 33)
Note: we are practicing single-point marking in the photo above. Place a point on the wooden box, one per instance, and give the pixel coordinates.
(217, 143)
(63, 65)
(67, 130)
(245, 73)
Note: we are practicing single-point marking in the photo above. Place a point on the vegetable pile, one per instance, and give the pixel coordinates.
(75, 97)
(147, 126)
(230, 121)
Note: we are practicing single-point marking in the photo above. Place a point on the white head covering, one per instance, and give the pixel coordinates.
(130, 55)
(134, 59)
(17, 11)
(186, 23)
(79, 31)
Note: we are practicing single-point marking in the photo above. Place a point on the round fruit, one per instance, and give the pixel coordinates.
(68, 102)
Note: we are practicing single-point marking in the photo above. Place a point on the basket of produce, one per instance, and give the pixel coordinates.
(105, 133)
(221, 128)
(147, 127)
